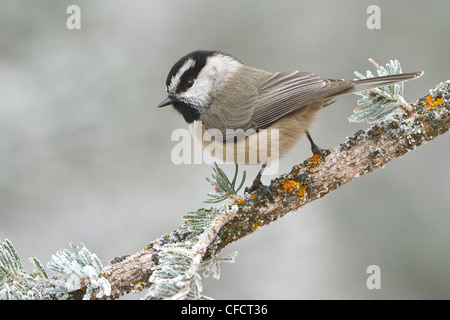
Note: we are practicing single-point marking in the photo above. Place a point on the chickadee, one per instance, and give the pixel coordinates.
(243, 106)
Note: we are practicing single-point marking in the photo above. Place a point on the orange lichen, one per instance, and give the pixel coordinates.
(313, 163)
(433, 103)
(289, 185)
(239, 201)
(312, 169)
(165, 235)
(256, 225)
(294, 186)
(317, 158)
(138, 287)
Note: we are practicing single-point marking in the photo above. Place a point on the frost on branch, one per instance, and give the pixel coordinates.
(15, 282)
(176, 275)
(376, 104)
(79, 270)
(74, 271)
(212, 266)
(224, 188)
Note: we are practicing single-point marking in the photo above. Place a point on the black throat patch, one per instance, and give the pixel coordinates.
(189, 113)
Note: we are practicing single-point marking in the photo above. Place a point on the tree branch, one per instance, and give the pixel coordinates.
(363, 153)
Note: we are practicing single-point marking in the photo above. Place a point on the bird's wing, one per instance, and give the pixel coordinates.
(281, 94)
(286, 92)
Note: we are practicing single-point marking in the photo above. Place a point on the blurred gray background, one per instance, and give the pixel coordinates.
(85, 153)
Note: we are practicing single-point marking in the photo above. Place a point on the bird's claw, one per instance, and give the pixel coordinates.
(257, 184)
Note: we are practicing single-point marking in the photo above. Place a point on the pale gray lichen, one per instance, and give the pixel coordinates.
(442, 90)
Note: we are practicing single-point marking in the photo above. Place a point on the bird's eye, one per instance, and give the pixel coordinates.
(189, 83)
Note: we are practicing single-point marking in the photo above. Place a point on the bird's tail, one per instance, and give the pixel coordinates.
(377, 82)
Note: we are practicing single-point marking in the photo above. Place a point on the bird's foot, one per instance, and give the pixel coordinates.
(318, 150)
(257, 184)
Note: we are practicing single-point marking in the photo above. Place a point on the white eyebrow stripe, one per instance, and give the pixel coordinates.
(175, 81)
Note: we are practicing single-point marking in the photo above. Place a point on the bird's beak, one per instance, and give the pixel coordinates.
(167, 102)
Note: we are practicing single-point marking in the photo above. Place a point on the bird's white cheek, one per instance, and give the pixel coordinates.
(198, 95)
